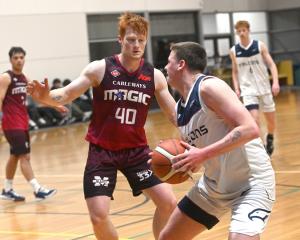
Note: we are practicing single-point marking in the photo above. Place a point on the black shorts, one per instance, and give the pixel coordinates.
(18, 140)
(100, 173)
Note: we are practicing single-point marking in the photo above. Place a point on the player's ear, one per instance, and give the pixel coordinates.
(119, 39)
(181, 64)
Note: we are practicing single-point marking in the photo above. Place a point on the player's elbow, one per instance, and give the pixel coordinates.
(254, 131)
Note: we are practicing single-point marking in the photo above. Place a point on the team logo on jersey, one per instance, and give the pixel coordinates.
(15, 79)
(143, 77)
(259, 213)
(126, 95)
(98, 181)
(238, 53)
(115, 73)
(120, 95)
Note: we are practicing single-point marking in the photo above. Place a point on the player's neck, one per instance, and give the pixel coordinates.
(187, 84)
(245, 42)
(16, 71)
(130, 64)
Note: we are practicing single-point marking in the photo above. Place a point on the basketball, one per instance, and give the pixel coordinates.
(161, 163)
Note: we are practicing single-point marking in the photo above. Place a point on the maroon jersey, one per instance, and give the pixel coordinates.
(14, 109)
(120, 106)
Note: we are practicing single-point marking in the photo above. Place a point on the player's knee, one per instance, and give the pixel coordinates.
(23, 158)
(167, 206)
(98, 218)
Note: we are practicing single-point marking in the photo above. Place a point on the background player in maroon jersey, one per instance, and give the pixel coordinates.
(123, 86)
(15, 127)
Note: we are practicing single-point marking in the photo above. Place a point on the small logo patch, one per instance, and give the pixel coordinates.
(143, 77)
(115, 73)
(98, 181)
(259, 213)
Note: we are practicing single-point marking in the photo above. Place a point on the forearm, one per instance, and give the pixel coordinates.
(274, 73)
(235, 138)
(235, 81)
(59, 97)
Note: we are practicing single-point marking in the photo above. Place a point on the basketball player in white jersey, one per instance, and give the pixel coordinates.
(221, 136)
(251, 80)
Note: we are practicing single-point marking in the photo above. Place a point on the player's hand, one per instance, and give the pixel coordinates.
(275, 89)
(190, 160)
(39, 91)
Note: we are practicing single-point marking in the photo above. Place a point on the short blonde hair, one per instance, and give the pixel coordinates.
(136, 22)
(242, 23)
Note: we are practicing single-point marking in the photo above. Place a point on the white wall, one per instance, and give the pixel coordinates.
(56, 44)
(280, 4)
(234, 5)
(54, 32)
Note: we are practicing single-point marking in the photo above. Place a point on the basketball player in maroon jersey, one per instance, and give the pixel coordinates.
(15, 127)
(123, 86)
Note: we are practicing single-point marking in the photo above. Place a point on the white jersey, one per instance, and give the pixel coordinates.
(233, 172)
(252, 72)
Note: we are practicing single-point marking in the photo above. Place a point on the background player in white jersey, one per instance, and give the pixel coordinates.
(123, 86)
(251, 80)
(221, 135)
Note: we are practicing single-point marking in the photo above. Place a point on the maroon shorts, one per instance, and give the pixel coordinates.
(100, 173)
(18, 140)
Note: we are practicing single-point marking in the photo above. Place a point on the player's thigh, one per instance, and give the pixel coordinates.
(251, 211)
(138, 172)
(100, 175)
(238, 236)
(251, 102)
(267, 103)
(161, 194)
(180, 226)
(98, 206)
(19, 141)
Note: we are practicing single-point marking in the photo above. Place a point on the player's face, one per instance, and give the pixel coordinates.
(243, 32)
(133, 44)
(172, 68)
(17, 61)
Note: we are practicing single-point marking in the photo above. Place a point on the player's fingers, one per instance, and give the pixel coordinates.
(149, 161)
(185, 145)
(46, 83)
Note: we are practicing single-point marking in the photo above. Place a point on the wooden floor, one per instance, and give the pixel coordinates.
(58, 158)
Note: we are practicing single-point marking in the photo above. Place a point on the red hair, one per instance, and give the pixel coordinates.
(136, 22)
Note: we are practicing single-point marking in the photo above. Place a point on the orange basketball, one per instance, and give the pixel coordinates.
(161, 161)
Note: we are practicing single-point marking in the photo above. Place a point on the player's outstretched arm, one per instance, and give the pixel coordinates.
(91, 76)
(165, 100)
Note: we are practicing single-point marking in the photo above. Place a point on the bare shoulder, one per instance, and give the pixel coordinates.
(159, 79)
(95, 71)
(214, 89)
(213, 84)
(5, 78)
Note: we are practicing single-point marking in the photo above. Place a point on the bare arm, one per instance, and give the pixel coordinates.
(4, 83)
(222, 100)
(235, 80)
(272, 66)
(91, 75)
(163, 96)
